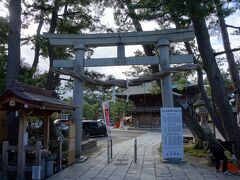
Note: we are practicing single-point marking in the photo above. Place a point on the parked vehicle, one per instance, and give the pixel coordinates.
(101, 120)
(111, 123)
(61, 124)
(94, 128)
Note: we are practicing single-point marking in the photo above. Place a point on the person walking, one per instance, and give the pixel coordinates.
(218, 149)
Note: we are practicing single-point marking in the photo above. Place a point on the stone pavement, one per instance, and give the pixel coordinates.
(148, 166)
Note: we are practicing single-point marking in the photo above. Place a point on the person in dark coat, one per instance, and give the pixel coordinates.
(218, 149)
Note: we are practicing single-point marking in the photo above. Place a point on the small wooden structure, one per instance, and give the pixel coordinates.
(24, 101)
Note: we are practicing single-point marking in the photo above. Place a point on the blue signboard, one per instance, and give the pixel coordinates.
(172, 133)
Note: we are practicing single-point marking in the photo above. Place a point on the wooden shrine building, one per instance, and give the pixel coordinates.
(147, 102)
(24, 101)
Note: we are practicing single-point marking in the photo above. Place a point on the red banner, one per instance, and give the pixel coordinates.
(106, 114)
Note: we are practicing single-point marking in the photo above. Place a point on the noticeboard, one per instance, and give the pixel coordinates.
(172, 133)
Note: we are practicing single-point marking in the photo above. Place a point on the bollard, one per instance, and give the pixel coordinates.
(111, 147)
(135, 151)
(108, 144)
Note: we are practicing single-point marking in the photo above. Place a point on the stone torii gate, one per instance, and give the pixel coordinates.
(79, 43)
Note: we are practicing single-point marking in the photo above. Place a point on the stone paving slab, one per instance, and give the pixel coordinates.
(93, 172)
(148, 166)
(132, 177)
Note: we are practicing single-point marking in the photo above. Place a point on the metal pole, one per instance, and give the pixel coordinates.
(111, 147)
(135, 151)
(108, 144)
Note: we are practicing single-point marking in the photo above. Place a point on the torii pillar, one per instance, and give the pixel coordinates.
(78, 97)
(166, 82)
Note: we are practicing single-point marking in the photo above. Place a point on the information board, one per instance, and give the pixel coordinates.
(172, 133)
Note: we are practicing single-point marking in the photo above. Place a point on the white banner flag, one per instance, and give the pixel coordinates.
(113, 94)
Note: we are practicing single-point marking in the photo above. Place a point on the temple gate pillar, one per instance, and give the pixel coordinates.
(78, 96)
(166, 82)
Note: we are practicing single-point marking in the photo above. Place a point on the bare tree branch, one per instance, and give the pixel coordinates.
(223, 52)
(231, 26)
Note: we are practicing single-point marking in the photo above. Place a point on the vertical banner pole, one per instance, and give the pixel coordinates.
(111, 147)
(108, 144)
(105, 106)
(135, 151)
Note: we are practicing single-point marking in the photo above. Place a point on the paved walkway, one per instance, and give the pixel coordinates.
(148, 166)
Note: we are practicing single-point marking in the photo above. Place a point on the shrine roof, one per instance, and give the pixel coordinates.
(148, 88)
(32, 97)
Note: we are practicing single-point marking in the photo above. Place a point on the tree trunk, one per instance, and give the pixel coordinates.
(13, 64)
(193, 126)
(37, 41)
(52, 78)
(213, 73)
(227, 47)
(147, 48)
(206, 100)
(208, 105)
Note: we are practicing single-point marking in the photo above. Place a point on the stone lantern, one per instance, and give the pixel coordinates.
(203, 113)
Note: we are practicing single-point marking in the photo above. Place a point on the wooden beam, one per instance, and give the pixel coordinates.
(21, 149)
(46, 133)
(127, 38)
(4, 160)
(38, 153)
(145, 60)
